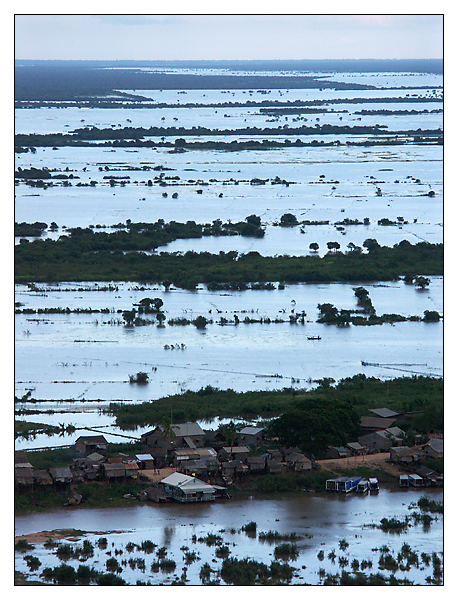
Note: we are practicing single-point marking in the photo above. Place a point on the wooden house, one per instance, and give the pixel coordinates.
(233, 469)
(434, 448)
(145, 461)
(256, 464)
(252, 436)
(87, 444)
(356, 449)
(233, 452)
(404, 455)
(131, 470)
(430, 477)
(61, 475)
(24, 477)
(21, 460)
(184, 435)
(184, 488)
(155, 494)
(298, 462)
(337, 452)
(42, 477)
(384, 413)
(114, 470)
(384, 439)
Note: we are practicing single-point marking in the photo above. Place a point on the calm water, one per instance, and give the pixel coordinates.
(322, 520)
(85, 360)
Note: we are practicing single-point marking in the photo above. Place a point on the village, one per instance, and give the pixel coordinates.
(184, 463)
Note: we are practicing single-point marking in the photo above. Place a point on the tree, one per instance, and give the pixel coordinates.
(353, 248)
(371, 244)
(288, 220)
(141, 377)
(167, 433)
(431, 316)
(230, 432)
(421, 282)
(314, 246)
(151, 304)
(200, 322)
(361, 293)
(253, 220)
(129, 316)
(333, 246)
(313, 426)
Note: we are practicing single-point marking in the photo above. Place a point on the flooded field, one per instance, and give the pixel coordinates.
(332, 532)
(77, 359)
(86, 359)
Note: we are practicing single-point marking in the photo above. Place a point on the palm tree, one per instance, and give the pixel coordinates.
(168, 434)
(230, 431)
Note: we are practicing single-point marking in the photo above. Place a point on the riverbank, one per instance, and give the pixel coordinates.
(105, 495)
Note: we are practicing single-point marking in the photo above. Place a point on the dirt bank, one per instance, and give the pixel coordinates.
(56, 534)
(370, 461)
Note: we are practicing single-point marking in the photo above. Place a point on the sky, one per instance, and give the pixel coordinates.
(226, 36)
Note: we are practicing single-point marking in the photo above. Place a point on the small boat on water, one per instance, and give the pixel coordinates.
(347, 484)
(314, 337)
(416, 480)
(373, 485)
(363, 487)
(403, 481)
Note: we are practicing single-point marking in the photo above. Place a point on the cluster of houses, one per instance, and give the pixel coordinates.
(207, 453)
(196, 456)
(199, 456)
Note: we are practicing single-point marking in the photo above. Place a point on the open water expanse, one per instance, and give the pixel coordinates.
(76, 363)
(321, 520)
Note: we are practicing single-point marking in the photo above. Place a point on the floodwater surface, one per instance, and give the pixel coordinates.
(321, 521)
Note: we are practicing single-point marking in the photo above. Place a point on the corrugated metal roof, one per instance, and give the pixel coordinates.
(436, 444)
(60, 473)
(385, 413)
(236, 449)
(143, 457)
(249, 430)
(186, 483)
(186, 429)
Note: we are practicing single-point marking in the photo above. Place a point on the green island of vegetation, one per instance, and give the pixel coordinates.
(353, 396)
(98, 256)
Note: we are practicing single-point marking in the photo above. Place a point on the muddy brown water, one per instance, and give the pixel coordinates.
(322, 521)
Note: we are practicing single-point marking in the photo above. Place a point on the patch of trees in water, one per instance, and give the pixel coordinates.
(135, 136)
(92, 256)
(366, 314)
(142, 236)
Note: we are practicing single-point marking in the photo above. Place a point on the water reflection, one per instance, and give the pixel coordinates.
(338, 526)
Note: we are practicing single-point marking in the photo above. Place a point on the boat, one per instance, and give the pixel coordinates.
(314, 337)
(416, 480)
(347, 484)
(331, 485)
(373, 485)
(403, 481)
(363, 487)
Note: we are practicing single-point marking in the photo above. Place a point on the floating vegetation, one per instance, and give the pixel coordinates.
(286, 551)
(275, 536)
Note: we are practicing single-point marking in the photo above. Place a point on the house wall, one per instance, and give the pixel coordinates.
(375, 441)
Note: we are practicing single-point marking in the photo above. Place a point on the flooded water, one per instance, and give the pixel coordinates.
(86, 359)
(75, 364)
(321, 520)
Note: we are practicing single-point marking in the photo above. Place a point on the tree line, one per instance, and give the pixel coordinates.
(84, 257)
